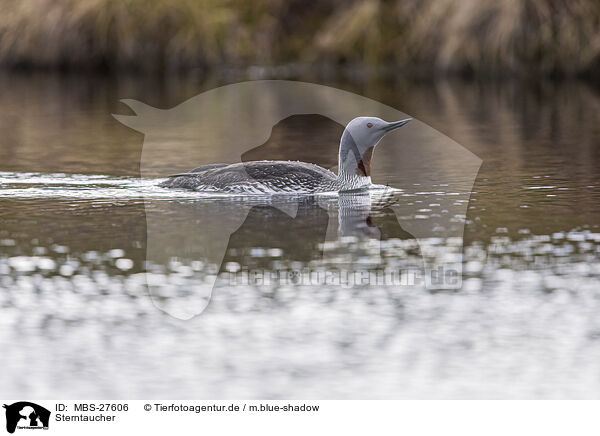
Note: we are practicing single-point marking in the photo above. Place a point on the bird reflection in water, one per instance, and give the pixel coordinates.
(204, 241)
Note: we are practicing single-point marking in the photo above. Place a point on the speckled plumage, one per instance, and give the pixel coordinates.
(256, 177)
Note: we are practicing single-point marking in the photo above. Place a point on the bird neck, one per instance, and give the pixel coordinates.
(354, 167)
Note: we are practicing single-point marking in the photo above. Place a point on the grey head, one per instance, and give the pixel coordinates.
(357, 145)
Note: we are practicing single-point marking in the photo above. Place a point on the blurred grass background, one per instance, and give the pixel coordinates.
(556, 38)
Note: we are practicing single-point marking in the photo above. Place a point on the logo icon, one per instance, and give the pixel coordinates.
(26, 415)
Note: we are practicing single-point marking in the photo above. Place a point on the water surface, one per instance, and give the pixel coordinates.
(74, 264)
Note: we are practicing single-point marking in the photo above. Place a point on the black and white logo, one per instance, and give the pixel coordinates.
(26, 415)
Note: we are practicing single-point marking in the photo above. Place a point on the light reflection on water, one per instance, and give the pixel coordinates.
(272, 341)
(523, 325)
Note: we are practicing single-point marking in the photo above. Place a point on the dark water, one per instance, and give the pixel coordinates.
(93, 258)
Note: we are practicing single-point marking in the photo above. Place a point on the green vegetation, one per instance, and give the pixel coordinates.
(417, 36)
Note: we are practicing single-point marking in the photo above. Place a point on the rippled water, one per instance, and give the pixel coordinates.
(77, 318)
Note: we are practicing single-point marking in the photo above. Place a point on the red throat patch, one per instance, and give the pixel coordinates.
(364, 166)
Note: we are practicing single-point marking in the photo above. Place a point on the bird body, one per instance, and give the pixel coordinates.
(269, 177)
(258, 177)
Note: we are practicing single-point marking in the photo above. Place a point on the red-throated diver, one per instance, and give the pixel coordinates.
(357, 144)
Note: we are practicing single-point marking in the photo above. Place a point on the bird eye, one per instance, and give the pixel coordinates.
(369, 125)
